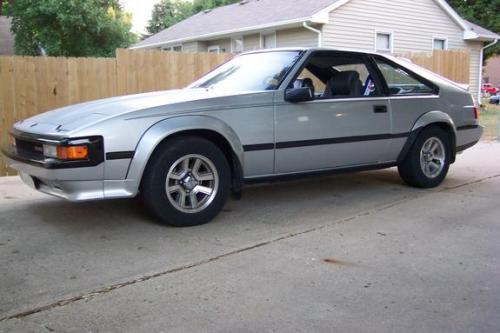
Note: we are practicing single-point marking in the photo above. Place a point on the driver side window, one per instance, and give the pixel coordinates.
(336, 75)
(306, 78)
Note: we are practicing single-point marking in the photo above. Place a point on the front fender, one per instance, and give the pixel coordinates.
(167, 127)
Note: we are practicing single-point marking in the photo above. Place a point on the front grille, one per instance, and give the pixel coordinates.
(29, 149)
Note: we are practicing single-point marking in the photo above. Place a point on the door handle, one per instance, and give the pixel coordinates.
(380, 109)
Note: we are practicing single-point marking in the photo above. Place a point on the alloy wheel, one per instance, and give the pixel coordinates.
(432, 157)
(192, 183)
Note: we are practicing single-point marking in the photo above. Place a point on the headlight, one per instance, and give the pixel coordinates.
(50, 151)
(73, 151)
(62, 153)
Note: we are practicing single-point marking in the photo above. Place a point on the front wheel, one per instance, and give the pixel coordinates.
(186, 182)
(428, 161)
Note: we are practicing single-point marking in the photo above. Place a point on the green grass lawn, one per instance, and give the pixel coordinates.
(489, 119)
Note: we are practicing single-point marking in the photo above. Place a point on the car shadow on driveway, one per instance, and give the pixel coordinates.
(304, 194)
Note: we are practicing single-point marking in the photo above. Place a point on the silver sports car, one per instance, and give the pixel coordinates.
(262, 116)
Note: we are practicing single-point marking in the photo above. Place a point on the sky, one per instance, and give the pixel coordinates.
(141, 11)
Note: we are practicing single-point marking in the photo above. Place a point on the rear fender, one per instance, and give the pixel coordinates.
(430, 118)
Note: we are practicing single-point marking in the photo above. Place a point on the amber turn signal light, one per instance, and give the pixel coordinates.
(72, 153)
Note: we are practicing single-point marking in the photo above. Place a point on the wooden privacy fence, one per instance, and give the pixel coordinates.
(31, 85)
(453, 64)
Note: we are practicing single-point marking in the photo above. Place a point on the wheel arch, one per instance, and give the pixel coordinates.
(210, 128)
(432, 118)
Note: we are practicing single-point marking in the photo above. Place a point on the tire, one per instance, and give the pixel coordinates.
(432, 170)
(186, 194)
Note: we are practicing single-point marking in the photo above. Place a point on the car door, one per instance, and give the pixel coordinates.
(337, 129)
(411, 97)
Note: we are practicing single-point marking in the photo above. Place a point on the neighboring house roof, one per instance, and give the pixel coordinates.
(239, 16)
(255, 15)
(6, 37)
(482, 32)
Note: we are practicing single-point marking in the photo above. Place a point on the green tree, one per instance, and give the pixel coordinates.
(73, 28)
(169, 12)
(200, 5)
(485, 13)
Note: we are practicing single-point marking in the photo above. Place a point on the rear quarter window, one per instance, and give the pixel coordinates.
(401, 81)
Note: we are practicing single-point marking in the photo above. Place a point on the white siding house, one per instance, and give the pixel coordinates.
(375, 25)
(413, 26)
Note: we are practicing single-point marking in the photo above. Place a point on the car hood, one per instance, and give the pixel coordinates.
(70, 118)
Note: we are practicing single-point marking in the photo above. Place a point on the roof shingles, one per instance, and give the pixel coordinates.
(239, 16)
(251, 13)
(482, 32)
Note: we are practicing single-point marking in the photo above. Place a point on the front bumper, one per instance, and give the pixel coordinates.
(72, 180)
(74, 184)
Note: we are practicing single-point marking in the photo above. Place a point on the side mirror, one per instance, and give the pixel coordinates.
(297, 95)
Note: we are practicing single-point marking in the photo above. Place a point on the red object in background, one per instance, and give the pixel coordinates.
(488, 88)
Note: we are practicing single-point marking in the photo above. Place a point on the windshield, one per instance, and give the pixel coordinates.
(250, 72)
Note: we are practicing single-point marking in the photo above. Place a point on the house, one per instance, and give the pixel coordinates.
(380, 25)
(492, 71)
(6, 37)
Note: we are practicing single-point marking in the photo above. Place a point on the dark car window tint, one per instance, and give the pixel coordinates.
(401, 82)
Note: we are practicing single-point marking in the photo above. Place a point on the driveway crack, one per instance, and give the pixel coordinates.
(110, 288)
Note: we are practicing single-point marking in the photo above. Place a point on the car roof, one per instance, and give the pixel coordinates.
(404, 62)
(302, 49)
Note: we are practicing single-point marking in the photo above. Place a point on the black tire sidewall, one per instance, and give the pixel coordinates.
(155, 175)
(410, 169)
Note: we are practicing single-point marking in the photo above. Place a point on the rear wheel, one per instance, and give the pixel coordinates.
(186, 182)
(428, 161)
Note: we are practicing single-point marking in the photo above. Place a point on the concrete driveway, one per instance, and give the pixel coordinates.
(346, 253)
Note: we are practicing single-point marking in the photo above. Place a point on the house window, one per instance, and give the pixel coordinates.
(383, 42)
(176, 48)
(268, 41)
(237, 45)
(440, 44)
(214, 49)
